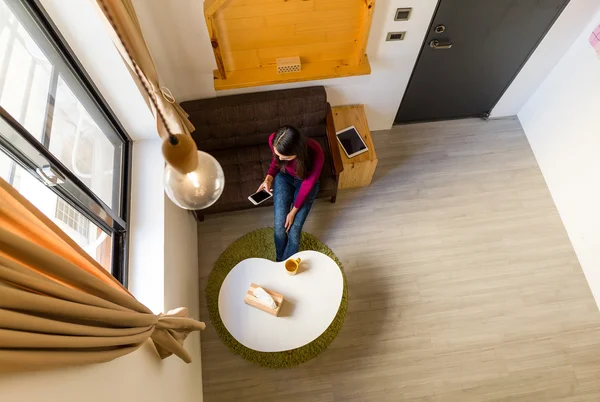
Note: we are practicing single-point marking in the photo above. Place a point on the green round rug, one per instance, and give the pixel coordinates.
(260, 244)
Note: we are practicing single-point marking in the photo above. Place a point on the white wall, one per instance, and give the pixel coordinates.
(562, 123)
(554, 45)
(177, 37)
(139, 376)
(182, 288)
(163, 275)
(181, 279)
(179, 43)
(147, 225)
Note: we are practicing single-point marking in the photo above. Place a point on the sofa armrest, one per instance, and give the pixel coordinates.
(334, 148)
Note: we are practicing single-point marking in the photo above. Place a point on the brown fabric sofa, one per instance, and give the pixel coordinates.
(235, 130)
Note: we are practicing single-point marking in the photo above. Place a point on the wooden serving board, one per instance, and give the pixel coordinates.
(251, 300)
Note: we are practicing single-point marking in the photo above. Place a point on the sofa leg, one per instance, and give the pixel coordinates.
(337, 182)
(199, 216)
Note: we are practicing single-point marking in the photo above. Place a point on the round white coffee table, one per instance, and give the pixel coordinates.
(311, 301)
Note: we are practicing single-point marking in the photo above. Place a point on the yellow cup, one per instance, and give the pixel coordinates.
(291, 266)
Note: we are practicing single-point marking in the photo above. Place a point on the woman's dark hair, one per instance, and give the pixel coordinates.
(288, 141)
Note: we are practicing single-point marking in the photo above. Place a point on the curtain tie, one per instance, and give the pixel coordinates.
(170, 331)
(164, 91)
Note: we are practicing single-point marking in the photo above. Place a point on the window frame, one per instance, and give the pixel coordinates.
(31, 154)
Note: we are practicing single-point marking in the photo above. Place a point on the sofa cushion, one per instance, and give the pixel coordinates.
(246, 167)
(244, 120)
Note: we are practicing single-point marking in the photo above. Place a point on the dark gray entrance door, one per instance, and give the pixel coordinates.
(473, 50)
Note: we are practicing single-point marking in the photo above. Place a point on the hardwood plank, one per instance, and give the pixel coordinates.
(243, 24)
(279, 7)
(245, 59)
(343, 13)
(331, 25)
(365, 27)
(238, 3)
(344, 35)
(273, 37)
(310, 71)
(213, 33)
(212, 6)
(323, 5)
(313, 53)
(463, 285)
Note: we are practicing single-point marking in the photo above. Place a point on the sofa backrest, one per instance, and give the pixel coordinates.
(249, 119)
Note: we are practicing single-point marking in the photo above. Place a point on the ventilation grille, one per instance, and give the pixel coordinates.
(288, 65)
(68, 215)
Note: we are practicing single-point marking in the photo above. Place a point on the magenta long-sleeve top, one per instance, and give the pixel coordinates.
(311, 178)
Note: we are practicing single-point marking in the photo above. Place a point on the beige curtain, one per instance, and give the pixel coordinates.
(59, 307)
(124, 27)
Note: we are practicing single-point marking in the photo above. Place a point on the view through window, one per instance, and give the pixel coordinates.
(59, 146)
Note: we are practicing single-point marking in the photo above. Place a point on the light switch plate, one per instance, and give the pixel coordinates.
(393, 36)
(402, 14)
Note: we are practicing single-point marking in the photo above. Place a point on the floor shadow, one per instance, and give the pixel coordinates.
(363, 325)
(392, 170)
(324, 218)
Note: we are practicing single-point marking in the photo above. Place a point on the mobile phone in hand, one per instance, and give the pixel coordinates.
(260, 197)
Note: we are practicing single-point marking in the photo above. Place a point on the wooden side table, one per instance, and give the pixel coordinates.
(359, 170)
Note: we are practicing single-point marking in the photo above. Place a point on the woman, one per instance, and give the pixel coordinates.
(294, 172)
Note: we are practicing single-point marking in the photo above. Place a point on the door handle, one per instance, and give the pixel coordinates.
(435, 44)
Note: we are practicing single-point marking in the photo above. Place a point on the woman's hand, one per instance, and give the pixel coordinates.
(266, 185)
(289, 220)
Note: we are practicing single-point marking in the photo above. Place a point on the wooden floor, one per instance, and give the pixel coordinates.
(463, 285)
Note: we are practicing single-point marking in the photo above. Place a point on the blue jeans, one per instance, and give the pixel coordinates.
(285, 190)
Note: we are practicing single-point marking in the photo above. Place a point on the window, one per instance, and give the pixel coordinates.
(60, 146)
